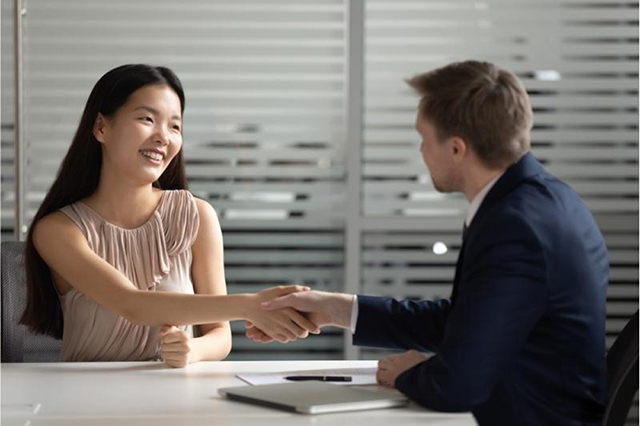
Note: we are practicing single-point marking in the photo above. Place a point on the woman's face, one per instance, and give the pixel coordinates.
(143, 136)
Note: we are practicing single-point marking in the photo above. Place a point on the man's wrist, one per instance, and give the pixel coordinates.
(354, 315)
(341, 315)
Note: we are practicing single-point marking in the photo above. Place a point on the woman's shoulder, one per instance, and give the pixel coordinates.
(56, 219)
(173, 196)
(53, 227)
(187, 201)
(180, 213)
(204, 208)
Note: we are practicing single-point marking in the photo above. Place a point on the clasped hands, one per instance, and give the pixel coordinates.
(309, 310)
(270, 315)
(322, 309)
(284, 314)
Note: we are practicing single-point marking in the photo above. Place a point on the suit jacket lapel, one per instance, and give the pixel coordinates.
(526, 167)
(456, 277)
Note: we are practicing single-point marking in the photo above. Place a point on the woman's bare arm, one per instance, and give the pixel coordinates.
(65, 250)
(207, 273)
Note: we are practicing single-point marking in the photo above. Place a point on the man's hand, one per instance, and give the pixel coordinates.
(391, 367)
(176, 346)
(319, 307)
(280, 323)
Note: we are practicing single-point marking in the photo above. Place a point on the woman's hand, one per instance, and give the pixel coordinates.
(177, 350)
(284, 325)
(319, 307)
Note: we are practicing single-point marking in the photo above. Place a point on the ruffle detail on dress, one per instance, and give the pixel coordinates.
(142, 254)
(180, 220)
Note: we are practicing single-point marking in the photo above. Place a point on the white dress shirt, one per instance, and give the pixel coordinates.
(478, 199)
(471, 212)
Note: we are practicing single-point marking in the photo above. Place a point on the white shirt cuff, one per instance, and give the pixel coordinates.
(354, 314)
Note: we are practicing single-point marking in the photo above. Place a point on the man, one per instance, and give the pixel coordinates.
(521, 341)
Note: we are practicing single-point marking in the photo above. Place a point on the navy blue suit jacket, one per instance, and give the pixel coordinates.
(522, 339)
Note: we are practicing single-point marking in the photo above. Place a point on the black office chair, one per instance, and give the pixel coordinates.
(18, 343)
(622, 370)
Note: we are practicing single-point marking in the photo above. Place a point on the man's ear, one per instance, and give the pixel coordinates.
(99, 128)
(459, 148)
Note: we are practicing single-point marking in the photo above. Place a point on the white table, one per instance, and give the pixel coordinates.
(152, 394)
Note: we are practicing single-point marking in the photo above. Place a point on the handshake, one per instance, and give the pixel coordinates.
(287, 313)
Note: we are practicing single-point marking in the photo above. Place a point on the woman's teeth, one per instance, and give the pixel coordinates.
(152, 155)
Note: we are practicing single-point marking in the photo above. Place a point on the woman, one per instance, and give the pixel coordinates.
(119, 246)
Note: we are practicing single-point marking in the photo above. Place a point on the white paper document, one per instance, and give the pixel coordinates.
(20, 409)
(359, 376)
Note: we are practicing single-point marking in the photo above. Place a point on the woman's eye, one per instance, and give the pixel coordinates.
(176, 127)
(147, 119)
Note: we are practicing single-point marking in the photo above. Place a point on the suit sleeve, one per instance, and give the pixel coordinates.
(501, 296)
(387, 323)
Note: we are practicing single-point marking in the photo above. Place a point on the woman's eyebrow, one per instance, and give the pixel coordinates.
(156, 112)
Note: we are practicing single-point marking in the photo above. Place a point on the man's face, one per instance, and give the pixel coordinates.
(438, 157)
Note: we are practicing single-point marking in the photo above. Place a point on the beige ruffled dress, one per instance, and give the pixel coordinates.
(155, 257)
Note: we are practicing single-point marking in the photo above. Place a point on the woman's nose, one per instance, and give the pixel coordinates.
(162, 137)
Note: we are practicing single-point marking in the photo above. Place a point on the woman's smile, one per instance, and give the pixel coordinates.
(154, 157)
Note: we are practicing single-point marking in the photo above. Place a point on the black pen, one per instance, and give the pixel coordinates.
(319, 378)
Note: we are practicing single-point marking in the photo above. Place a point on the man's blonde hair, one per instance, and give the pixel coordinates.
(481, 103)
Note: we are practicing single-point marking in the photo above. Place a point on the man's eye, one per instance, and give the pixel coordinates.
(176, 127)
(147, 119)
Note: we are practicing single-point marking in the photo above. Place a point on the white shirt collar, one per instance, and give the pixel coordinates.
(478, 199)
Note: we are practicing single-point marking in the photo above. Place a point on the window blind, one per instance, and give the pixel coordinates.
(579, 63)
(263, 125)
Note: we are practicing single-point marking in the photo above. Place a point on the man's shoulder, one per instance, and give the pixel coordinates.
(539, 205)
(542, 194)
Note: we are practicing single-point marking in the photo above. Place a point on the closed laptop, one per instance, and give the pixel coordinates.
(315, 397)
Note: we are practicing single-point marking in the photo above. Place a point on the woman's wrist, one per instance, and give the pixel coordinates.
(213, 345)
(195, 353)
(246, 305)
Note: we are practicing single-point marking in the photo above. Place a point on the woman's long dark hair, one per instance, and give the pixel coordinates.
(78, 178)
